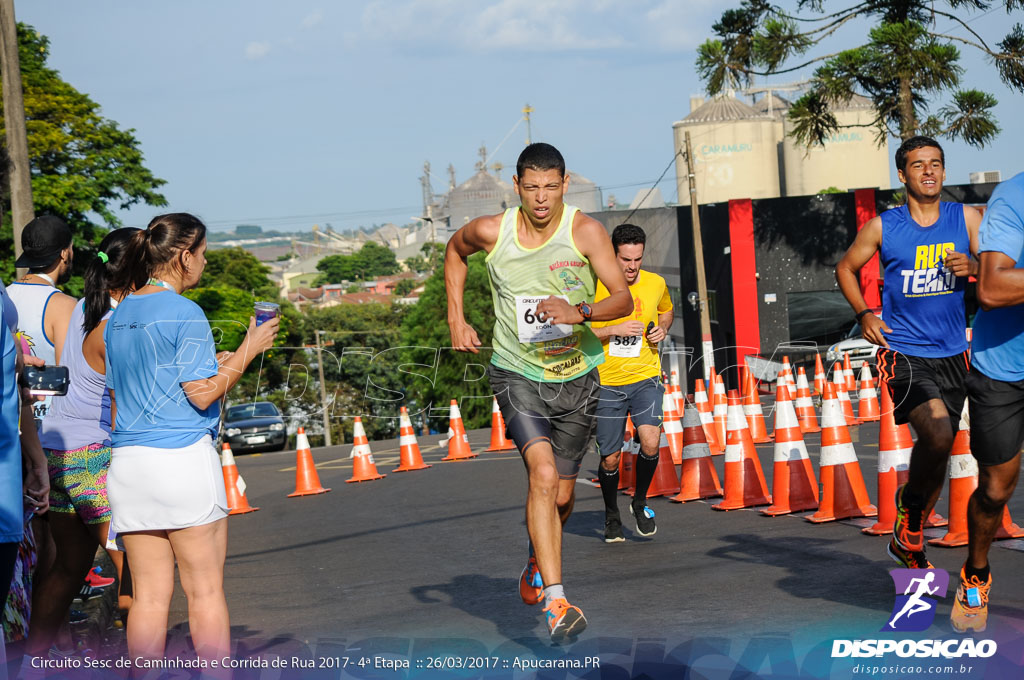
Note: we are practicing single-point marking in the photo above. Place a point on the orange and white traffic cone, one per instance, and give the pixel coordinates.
(677, 399)
(234, 485)
(867, 397)
(819, 376)
(721, 410)
(697, 478)
(665, 480)
(851, 382)
(744, 480)
(671, 426)
(894, 447)
(499, 442)
(307, 481)
(408, 447)
(844, 403)
(754, 414)
(794, 487)
(707, 417)
(805, 405)
(363, 467)
(458, 441)
(843, 491)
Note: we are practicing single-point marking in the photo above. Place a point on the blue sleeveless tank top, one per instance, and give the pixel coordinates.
(922, 302)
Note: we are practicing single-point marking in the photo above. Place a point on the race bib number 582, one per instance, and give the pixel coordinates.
(532, 329)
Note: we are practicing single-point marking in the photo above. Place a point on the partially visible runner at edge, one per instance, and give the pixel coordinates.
(631, 382)
(542, 259)
(995, 387)
(925, 249)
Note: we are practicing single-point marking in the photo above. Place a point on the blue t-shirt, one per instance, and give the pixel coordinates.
(11, 514)
(922, 301)
(155, 343)
(997, 346)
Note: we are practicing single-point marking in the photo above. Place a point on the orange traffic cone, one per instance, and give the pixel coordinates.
(234, 485)
(707, 417)
(698, 478)
(307, 481)
(843, 491)
(867, 397)
(671, 426)
(844, 402)
(744, 480)
(458, 441)
(363, 467)
(819, 376)
(805, 405)
(408, 447)
(794, 487)
(851, 382)
(963, 480)
(498, 440)
(894, 447)
(754, 414)
(721, 410)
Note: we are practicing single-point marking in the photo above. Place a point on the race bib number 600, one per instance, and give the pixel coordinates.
(532, 329)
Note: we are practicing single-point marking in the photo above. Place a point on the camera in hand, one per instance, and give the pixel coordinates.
(45, 380)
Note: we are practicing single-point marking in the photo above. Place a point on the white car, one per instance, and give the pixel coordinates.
(860, 350)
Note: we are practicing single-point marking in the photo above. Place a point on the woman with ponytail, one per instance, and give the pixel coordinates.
(76, 438)
(166, 486)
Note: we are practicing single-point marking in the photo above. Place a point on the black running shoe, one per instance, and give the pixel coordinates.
(645, 525)
(613, 530)
(87, 592)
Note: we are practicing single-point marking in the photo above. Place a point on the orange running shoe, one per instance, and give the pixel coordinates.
(531, 585)
(970, 609)
(907, 530)
(565, 621)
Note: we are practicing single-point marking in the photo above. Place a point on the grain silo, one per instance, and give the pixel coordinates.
(481, 194)
(582, 193)
(735, 149)
(850, 159)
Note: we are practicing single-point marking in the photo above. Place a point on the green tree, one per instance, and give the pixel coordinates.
(904, 64)
(337, 268)
(238, 268)
(431, 256)
(405, 286)
(371, 261)
(436, 373)
(84, 167)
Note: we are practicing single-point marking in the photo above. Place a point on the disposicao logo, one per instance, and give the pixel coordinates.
(914, 609)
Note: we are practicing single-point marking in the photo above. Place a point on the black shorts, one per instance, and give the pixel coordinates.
(563, 412)
(997, 418)
(641, 401)
(914, 380)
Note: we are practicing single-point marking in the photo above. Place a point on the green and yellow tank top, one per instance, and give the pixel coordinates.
(520, 278)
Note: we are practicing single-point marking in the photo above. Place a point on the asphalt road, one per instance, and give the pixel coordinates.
(393, 564)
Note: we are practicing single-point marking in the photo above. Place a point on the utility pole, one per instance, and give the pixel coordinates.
(527, 110)
(22, 210)
(707, 347)
(323, 389)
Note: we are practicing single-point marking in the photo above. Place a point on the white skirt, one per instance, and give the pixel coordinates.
(157, 489)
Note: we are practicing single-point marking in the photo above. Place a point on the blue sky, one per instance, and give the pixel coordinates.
(293, 114)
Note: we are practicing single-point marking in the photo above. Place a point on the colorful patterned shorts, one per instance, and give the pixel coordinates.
(78, 482)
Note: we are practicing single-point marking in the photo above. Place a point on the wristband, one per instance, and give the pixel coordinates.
(860, 314)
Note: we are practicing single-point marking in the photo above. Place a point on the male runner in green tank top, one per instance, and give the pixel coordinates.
(542, 258)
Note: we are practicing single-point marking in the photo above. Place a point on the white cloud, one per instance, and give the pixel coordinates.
(312, 19)
(257, 50)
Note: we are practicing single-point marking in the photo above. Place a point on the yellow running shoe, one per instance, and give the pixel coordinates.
(565, 621)
(970, 609)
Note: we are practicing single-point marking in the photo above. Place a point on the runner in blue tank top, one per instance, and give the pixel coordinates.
(925, 251)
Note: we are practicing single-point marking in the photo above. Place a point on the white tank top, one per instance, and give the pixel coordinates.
(31, 299)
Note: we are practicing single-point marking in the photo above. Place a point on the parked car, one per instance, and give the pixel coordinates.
(256, 425)
(860, 350)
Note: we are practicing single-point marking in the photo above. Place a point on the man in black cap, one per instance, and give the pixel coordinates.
(44, 311)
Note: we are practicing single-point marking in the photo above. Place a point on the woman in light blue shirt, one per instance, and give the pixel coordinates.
(165, 484)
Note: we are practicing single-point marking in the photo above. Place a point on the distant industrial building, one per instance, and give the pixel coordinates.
(744, 151)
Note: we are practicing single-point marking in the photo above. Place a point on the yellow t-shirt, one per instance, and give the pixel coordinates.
(631, 359)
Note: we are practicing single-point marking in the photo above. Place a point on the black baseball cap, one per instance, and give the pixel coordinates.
(42, 241)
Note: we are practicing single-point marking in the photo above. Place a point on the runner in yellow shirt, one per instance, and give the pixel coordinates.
(631, 381)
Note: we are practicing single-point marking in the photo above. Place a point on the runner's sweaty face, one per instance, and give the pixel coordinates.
(925, 172)
(541, 192)
(630, 257)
